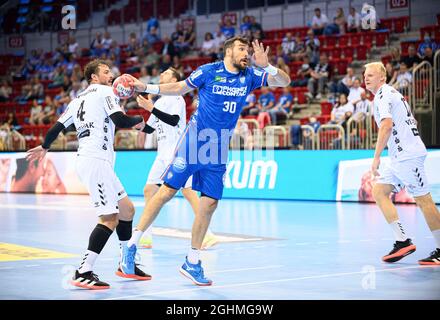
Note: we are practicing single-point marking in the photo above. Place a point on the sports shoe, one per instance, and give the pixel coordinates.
(138, 274)
(146, 242)
(401, 249)
(209, 241)
(88, 280)
(194, 272)
(127, 264)
(432, 260)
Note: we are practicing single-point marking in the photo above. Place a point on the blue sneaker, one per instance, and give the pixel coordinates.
(194, 272)
(127, 264)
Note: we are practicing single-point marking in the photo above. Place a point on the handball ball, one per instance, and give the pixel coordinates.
(122, 89)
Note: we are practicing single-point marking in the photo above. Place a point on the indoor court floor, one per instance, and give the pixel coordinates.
(268, 249)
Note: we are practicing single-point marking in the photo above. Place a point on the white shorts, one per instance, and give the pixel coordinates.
(157, 169)
(101, 181)
(407, 173)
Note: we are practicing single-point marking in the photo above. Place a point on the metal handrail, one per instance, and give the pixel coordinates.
(331, 127)
(312, 136)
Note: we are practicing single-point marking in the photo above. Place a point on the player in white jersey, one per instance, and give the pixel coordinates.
(95, 112)
(169, 121)
(398, 131)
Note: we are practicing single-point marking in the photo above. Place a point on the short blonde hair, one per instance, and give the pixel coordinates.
(378, 66)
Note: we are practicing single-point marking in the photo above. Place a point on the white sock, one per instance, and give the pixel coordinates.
(88, 261)
(148, 233)
(135, 237)
(193, 256)
(399, 234)
(436, 234)
(121, 245)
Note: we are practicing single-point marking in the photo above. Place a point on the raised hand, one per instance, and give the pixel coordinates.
(36, 153)
(132, 81)
(144, 103)
(260, 55)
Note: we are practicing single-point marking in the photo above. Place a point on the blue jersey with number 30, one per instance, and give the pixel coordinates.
(222, 94)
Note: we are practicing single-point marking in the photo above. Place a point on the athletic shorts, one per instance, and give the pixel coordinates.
(207, 176)
(407, 173)
(157, 170)
(101, 182)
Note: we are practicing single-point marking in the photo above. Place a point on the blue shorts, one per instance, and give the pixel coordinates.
(208, 176)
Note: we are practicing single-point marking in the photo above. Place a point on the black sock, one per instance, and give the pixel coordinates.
(124, 230)
(98, 238)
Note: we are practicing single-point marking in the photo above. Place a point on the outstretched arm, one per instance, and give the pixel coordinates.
(39, 152)
(170, 89)
(277, 77)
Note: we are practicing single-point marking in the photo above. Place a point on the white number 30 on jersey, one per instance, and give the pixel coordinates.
(230, 106)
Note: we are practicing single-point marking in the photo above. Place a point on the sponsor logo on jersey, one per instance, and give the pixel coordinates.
(229, 91)
(232, 80)
(219, 70)
(242, 79)
(220, 79)
(83, 134)
(179, 164)
(258, 73)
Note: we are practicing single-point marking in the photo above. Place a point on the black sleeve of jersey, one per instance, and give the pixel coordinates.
(148, 129)
(52, 134)
(172, 120)
(121, 120)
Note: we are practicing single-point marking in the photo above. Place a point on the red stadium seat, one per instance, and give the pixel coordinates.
(347, 52)
(361, 52)
(326, 108)
(401, 24)
(381, 38)
(355, 39)
(367, 38)
(386, 24)
(343, 40)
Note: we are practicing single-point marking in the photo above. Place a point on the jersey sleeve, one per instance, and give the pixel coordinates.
(151, 121)
(66, 118)
(383, 103)
(111, 101)
(198, 77)
(259, 78)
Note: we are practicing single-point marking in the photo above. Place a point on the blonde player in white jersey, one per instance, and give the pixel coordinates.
(398, 131)
(95, 112)
(168, 119)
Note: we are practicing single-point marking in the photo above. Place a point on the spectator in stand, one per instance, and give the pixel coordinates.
(189, 36)
(427, 43)
(5, 91)
(245, 27)
(319, 78)
(76, 89)
(343, 85)
(303, 74)
(403, 80)
(26, 92)
(284, 105)
(48, 114)
(34, 61)
(312, 46)
(152, 36)
(256, 27)
(412, 59)
(74, 49)
(228, 29)
(362, 108)
(168, 47)
(12, 122)
(299, 52)
(288, 44)
(395, 57)
(97, 45)
(355, 92)
(342, 111)
(115, 51)
(133, 44)
(35, 113)
(251, 101)
(219, 39)
(281, 64)
(155, 76)
(428, 56)
(353, 21)
(67, 84)
(46, 70)
(391, 73)
(338, 25)
(181, 46)
(152, 23)
(266, 102)
(144, 77)
(177, 33)
(209, 47)
(319, 22)
(177, 65)
(152, 58)
(166, 63)
(37, 89)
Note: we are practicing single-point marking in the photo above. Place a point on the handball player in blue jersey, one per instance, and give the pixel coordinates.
(202, 150)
